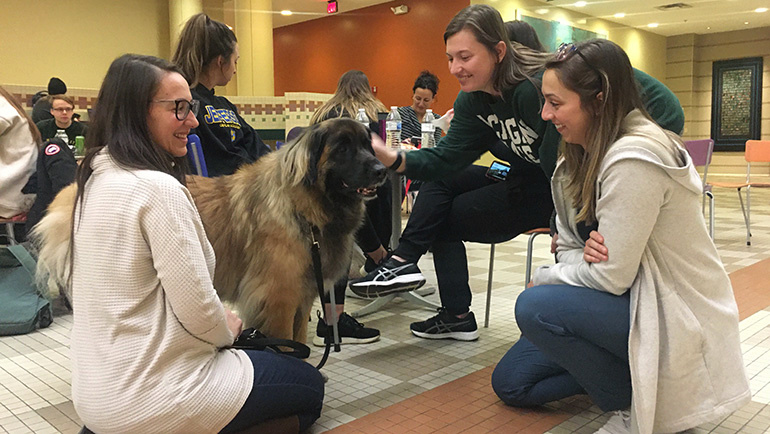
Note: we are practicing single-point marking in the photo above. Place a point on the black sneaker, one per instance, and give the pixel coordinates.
(389, 278)
(350, 330)
(447, 326)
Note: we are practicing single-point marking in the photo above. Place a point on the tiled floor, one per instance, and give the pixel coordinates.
(405, 384)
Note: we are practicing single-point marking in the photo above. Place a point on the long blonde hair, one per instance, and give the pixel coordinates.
(30, 124)
(353, 93)
(593, 67)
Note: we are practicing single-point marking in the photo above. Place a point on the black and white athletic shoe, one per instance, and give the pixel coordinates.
(447, 326)
(391, 277)
(350, 331)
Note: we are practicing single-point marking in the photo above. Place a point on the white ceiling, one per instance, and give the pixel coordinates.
(705, 16)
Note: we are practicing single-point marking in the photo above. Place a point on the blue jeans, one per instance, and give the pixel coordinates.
(573, 341)
(283, 386)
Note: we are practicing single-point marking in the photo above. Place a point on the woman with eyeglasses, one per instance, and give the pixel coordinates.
(207, 54)
(649, 327)
(150, 336)
(497, 110)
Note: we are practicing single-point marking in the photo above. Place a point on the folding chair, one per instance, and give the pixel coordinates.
(527, 273)
(757, 151)
(10, 233)
(701, 151)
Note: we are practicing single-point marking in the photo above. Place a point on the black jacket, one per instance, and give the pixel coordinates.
(227, 140)
(56, 168)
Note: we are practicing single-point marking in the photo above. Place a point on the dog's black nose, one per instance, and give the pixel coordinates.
(379, 170)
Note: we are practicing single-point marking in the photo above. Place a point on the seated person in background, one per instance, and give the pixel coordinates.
(641, 317)
(424, 93)
(150, 336)
(56, 167)
(62, 108)
(207, 54)
(18, 150)
(41, 104)
(354, 93)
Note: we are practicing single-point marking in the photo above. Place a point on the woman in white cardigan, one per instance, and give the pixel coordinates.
(150, 336)
(646, 323)
(19, 140)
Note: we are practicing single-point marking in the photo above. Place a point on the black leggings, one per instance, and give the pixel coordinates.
(471, 207)
(373, 233)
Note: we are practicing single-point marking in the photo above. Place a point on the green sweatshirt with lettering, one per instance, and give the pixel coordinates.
(511, 127)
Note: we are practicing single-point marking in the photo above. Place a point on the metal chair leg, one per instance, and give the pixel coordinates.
(10, 234)
(530, 246)
(745, 215)
(489, 283)
(711, 214)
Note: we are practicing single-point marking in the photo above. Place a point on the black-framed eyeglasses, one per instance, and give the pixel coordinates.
(564, 50)
(182, 107)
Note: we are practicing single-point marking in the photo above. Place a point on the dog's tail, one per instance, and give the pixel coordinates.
(52, 235)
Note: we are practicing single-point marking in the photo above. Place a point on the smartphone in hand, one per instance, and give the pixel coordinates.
(498, 170)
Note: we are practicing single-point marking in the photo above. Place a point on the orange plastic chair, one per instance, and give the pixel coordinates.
(757, 151)
(528, 271)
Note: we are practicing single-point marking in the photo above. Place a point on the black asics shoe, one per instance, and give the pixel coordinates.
(389, 278)
(447, 326)
(350, 330)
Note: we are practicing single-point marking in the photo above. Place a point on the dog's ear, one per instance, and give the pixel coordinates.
(316, 142)
(303, 156)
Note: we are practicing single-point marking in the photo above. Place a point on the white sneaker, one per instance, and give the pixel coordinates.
(618, 423)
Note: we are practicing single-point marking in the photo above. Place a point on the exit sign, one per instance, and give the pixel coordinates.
(331, 7)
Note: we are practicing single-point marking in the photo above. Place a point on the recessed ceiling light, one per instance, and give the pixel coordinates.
(745, 22)
(652, 25)
(760, 10)
(619, 15)
(286, 12)
(708, 28)
(580, 4)
(542, 11)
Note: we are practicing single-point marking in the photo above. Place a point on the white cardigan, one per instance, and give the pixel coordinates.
(18, 156)
(684, 348)
(148, 325)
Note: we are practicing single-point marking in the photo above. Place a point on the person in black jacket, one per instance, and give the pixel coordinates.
(56, 168)
(207, 54)
(41, 104)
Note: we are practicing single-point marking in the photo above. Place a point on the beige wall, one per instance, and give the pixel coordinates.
(688, 74)
(647, 51)
(76, 40)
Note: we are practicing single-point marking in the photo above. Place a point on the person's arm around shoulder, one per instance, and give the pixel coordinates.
(175, 236)
(627, 211)
(661, 103)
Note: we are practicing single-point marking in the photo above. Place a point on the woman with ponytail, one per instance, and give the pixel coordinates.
(207, 54)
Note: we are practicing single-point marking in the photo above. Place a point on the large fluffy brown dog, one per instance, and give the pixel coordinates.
(259, 222)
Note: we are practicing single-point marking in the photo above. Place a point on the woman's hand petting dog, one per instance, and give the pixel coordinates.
(233, 323)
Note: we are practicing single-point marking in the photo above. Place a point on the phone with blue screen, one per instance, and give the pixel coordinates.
(498, 170)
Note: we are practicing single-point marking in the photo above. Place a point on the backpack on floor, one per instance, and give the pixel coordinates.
(22, 307)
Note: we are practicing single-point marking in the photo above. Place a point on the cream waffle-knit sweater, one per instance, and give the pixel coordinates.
(148, 326)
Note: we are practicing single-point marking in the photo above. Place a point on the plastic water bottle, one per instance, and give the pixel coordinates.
(393, 128)
(362, 117)
(61, 134)
(428, 129)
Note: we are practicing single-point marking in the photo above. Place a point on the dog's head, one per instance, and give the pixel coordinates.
(337, 156)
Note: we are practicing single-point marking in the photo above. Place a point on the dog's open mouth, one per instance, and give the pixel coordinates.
(367, 192)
